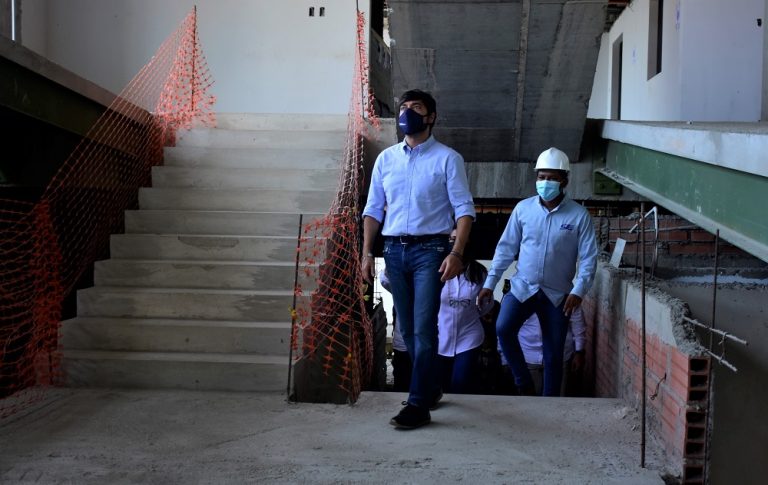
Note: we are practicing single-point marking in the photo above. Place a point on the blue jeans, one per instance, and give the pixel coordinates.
(415, 280)
(459, 374)
(554, 327)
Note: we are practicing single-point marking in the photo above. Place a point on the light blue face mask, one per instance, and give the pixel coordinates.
(548, 189)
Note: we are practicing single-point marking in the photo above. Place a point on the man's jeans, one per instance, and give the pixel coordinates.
(415, 280)
(554, 327)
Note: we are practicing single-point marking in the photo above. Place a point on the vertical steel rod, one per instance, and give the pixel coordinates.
(708, 429)
(293, 308)
(642, 323)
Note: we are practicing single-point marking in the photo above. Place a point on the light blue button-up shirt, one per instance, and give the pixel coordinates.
(424, 189)
(547, 246)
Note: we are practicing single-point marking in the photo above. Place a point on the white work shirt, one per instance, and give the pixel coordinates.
(547, 245)
(397, 339)
(423, 189)
(530, 338)
(458, 323)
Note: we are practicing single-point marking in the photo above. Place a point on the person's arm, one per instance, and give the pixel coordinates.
(506, 252)
(578, 329)
(373, 214)
(579, 333)
(370, 229)
(453, 263)
(464, 211)
(587, 265)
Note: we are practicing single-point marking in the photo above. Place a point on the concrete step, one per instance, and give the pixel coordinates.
(206, 137)
(171, 335)
(258, 200)
(282, 121)
(185, 303)
(245, 178)
(253, 157)
(223, 275)
(175, 370)
(234, 223)
(201, 247)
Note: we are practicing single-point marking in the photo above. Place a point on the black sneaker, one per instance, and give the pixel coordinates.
(411, 417)
(436, 402)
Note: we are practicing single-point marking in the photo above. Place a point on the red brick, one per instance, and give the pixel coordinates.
(702, 235)
(678, 388)
(669, 431)
(680, 360)
(699, 364)
(657, 370)
(674, 235)
(673, 410)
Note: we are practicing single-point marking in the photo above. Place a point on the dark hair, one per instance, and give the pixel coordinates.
(475, 272)
(419, 95)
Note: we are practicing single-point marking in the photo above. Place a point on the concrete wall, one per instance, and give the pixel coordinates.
(265, 55)
(711, 63)
(740, 430)
(676, 371)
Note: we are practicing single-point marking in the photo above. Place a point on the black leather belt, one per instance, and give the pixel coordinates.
(416, 239)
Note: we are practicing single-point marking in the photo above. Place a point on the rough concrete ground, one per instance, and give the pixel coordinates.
(91, 436)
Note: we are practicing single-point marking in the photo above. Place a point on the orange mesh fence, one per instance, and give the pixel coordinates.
(47, 245)
(332, 330)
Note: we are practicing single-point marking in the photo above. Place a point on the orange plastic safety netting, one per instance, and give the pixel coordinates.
(46, 246)
(332, 332)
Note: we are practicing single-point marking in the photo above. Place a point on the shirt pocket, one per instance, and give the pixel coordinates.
(565, 237)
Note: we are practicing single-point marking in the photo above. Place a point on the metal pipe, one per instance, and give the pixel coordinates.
(642, 337)
(725, 335)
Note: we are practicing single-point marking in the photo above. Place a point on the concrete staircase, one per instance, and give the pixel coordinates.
(198, 291)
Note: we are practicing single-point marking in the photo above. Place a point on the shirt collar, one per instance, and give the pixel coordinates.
(561, 204)
(420, 148)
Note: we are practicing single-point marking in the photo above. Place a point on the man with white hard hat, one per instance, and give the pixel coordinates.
(547, 234)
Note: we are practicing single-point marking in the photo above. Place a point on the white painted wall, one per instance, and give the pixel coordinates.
(265, 55)
(712, 63)
(34, 15)
(723, 79)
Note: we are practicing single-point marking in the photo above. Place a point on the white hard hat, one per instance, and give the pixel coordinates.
(552, 159)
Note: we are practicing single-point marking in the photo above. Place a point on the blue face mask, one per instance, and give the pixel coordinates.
(411, 122)
(548, 189)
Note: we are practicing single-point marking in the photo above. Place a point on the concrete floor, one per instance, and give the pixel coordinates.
(91, 436)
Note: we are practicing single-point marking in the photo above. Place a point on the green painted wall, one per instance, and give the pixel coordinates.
(733, 199)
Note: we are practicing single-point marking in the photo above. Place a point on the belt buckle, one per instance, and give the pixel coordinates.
(404, 239)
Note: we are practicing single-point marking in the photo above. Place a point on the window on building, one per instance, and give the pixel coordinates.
(655, 35)
(617, 54)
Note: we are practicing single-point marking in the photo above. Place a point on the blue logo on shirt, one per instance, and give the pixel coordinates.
(566, 227)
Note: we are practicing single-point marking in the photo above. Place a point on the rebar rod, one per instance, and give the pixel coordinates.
(642, 337)
(722, 361)
(711, 373)
(293, 308)
(725, 335)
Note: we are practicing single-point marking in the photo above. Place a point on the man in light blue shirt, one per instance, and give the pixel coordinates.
(547, 234)
(418, 188)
